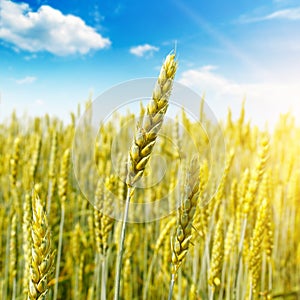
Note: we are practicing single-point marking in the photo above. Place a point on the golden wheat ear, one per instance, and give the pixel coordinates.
(147, 131)
(42, 260)
(185, 217)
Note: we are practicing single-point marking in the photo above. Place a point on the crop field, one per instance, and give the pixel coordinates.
(211, 212)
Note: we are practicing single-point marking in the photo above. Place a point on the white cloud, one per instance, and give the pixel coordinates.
(142, 50)
(209, 81)
(30, 57)
(265, 101)
(26, 80)
(291, 14)
(98, 18)
(47, 29)
(288, 14)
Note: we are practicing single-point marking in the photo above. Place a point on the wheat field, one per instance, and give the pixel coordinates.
(233, 231)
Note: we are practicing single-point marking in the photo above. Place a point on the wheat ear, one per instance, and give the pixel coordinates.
(185, 217)
(147, 132)
(217, 257)
(143, 143)
(255, 255)
(42, 255)
(13, 255)
(51, 173)
(26, 240)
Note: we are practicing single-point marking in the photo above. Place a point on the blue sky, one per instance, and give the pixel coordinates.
(53, 54)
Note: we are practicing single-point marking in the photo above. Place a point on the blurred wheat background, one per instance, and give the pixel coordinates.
(243, 243)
